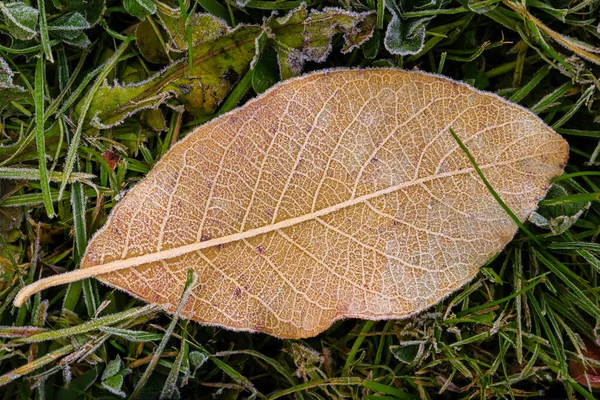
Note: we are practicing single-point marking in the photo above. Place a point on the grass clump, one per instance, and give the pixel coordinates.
(527, 325)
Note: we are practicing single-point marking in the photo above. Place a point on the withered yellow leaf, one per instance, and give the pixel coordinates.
(339, 194)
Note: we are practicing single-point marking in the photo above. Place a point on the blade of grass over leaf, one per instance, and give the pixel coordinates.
(492, 191)
(40, 139)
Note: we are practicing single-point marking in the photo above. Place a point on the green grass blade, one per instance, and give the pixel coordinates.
(349, 381)
(492, 191)
(73, 148)
(45, 39)
(274, 363)
(40, 139)
(356, 346)
(170, 387)
(573, 198)
(562, 272)
(187, 290)
(36, 364)
(581, 101)
(92, 325)
(535, 81)
(396, 393)
(31, 174)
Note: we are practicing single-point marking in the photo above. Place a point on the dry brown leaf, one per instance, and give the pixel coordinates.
(340, 194)
(584, 372)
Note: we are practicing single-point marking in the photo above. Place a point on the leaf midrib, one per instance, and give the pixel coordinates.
(117, 265)
(185, 249)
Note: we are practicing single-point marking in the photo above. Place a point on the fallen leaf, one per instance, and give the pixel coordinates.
(305, 35)
(150, 45)
(340, 194)
(558, 217)
(21, 149)
(204, 28)
(111, 158)
(221, 56)
(8, 90)
(69, 28)
(20, 19)
(92, 9)
(404, 37)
